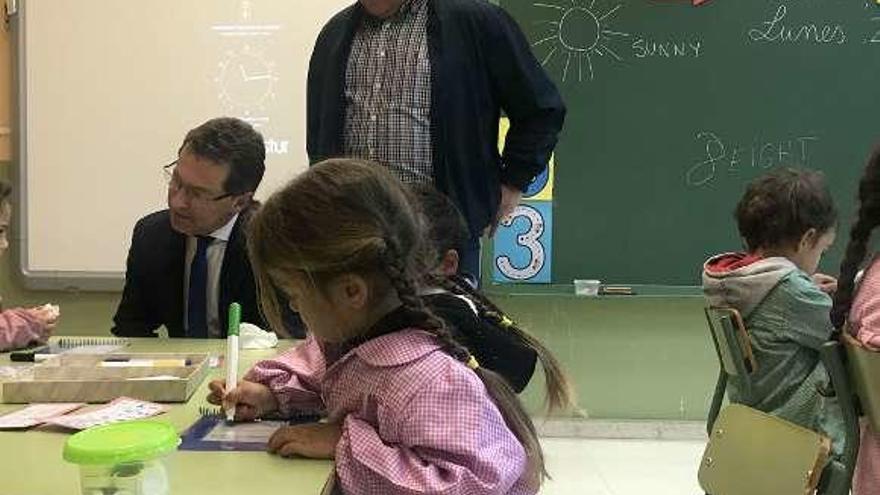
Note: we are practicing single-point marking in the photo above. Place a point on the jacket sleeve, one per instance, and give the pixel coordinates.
(314, 91)
(420, 449)
(807, 314)
(294, 377)
(526, 94)
(18, 329)
(131, 314)
(325, 104)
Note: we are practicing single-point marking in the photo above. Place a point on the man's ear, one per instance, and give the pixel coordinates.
(242, 201)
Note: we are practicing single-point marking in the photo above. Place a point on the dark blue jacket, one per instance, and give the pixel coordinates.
(154, 295)
(481, 63)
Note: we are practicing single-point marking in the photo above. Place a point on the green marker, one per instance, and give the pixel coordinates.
(232, 354)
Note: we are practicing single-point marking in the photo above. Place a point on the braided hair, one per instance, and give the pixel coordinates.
(560, 395)
(446, 230)
(867, 218)
(515, 416)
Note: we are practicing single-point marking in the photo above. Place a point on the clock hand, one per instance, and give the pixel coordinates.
(246, 77)
(260, 77)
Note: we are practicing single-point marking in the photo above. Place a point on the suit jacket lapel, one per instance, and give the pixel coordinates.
(175, 269)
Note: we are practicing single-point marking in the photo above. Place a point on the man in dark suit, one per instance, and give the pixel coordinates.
(186, 264)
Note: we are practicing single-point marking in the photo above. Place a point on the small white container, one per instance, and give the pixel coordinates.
(130, 478)
(588, 288)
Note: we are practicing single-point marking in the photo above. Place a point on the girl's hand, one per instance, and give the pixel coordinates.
(826, 283)
(251, 400)
(47, 315)
(316, 441)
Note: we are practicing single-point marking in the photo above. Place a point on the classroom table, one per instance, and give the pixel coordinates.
(31, 463)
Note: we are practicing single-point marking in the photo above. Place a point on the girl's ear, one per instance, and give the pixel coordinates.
(449, 263)
(351, 290)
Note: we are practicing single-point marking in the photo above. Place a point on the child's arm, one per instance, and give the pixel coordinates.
(807, 315)
(19, 327)
(293, 377)
(447, 440)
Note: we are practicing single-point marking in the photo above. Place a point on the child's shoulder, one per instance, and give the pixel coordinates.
(412, 360)
(398, 348)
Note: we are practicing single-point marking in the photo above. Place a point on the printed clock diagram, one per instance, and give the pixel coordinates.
(246, 81)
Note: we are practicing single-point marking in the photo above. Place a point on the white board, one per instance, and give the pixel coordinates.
(107, 90)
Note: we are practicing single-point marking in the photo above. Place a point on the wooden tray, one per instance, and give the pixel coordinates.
(80, 378)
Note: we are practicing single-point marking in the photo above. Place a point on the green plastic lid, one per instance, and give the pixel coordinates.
(118, 443)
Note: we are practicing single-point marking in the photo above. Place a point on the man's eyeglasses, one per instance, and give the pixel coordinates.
(193, 193)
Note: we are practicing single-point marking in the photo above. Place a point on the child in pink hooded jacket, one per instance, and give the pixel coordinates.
(21, 326)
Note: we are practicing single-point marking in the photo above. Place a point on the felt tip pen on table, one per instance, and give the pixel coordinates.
(145, 363)
(28, 355)
(232, 354)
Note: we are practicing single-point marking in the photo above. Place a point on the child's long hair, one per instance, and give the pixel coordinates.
(560, 395)
(446, 230)
(867, 219)
(352, 216)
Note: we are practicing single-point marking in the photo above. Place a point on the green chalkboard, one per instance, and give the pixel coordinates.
(674, 108)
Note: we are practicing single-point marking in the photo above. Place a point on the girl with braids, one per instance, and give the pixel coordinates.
(859, 309)
(497, 342)
(787, 220)
(20, 327)
(409, 410)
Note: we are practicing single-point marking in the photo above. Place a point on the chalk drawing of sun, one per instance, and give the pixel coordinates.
(577, 31)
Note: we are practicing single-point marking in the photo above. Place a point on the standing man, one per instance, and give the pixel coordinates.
(187, 263)
(419, 85)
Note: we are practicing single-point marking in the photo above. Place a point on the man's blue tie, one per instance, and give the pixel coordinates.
(197, 302)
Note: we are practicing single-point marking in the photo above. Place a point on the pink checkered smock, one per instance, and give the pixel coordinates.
(864, 322)
(414, 419)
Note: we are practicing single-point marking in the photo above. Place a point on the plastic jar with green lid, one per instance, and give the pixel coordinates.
(123, 458)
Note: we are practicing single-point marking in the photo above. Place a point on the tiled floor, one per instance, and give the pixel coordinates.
(621, 467)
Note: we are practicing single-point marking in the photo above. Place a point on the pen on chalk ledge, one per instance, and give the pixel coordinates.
(616, 290)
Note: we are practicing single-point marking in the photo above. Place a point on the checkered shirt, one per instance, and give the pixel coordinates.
(388, 93)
